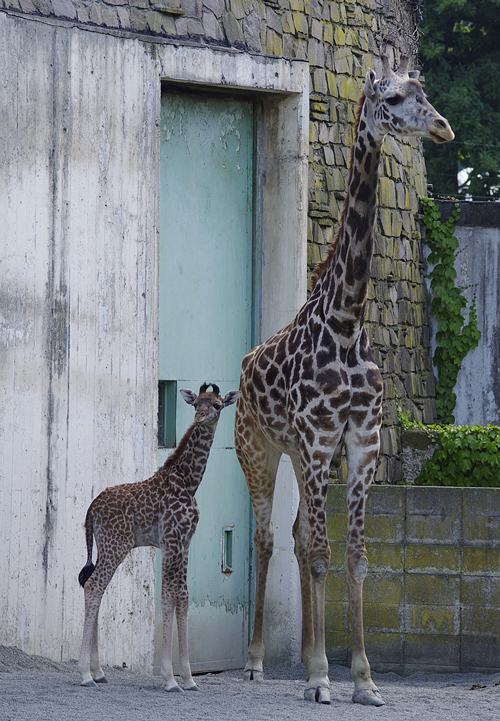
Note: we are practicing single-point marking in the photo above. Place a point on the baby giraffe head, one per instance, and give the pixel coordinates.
(397, 104)
(208, 404)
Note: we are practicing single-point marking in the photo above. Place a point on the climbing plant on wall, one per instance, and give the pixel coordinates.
(454, 337)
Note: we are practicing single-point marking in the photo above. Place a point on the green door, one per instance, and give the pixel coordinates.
(207, 311)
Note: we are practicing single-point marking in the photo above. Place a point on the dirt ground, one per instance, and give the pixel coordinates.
(36, 689)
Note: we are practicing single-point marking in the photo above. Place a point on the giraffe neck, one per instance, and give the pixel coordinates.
(345, 283)
(191, 455)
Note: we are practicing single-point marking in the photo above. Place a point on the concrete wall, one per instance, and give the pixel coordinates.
(478, 382)
(478, 273)
(432, 594)
(78, 245)
(80, 169)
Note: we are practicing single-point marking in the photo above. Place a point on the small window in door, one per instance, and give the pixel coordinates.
(167, 402)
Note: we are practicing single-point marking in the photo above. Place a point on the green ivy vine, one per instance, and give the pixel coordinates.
(454, 337)
(465, 455)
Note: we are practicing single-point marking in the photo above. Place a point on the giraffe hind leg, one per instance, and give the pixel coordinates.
(88, 664)
(259, 461)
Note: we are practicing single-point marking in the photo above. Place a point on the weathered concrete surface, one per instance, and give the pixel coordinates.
(79, 312)
(79, 331)
(478, 383)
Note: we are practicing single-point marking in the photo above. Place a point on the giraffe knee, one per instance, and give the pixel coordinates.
(319, 567)
(358, 568)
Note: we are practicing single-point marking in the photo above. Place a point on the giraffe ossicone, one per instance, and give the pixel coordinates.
(314, 388)
(161, 512)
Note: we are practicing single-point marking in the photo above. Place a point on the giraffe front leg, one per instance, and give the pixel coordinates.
(362, 467)
(167, 671)
(168, 603)
(365, 691)
(181, 613)
(312, 550)
(318, 683)
(313, 658)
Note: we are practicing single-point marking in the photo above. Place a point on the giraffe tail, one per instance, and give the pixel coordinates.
(89, 567)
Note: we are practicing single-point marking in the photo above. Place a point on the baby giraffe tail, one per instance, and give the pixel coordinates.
(89, 567)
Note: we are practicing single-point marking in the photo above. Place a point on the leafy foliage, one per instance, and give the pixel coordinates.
(465, 456)
(454, 337)
(460, 54)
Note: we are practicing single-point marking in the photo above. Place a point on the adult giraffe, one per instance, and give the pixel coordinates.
(314, 386)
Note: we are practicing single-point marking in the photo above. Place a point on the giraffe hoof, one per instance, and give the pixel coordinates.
(89, 684)
(101, 679)
(194, 687)
(174, 689)
(321, 694)
(368, 697)
(252, 674)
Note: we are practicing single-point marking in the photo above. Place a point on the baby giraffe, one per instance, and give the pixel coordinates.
(161, 512)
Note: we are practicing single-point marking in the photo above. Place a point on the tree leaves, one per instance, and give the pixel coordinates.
(460, 52)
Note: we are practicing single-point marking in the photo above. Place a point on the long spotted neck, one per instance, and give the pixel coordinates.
(344, 284)
(190, 457)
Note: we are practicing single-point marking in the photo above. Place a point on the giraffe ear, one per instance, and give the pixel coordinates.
(230, 398)
(369, 89)
(189, 396)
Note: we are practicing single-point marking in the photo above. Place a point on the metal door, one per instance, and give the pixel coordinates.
(207, 312)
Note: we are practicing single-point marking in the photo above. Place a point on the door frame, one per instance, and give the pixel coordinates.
(282, 88)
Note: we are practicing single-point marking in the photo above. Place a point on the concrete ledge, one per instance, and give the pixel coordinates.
(473, 213)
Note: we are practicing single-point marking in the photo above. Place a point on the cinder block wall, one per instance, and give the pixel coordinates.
(432, 594)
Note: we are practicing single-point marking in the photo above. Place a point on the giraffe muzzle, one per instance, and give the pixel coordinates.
(440, 131)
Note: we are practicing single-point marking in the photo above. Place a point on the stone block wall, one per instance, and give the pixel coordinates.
(340, 40)
(432, 593)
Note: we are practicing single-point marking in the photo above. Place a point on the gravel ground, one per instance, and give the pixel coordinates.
(36, 689)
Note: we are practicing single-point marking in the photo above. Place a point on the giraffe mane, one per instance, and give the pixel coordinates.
(330, 251)
(179, 448)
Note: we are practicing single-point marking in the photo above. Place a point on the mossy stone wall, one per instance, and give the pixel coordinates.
(340, 40)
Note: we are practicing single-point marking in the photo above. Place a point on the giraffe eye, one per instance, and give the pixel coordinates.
(217, 406)
(394, 100)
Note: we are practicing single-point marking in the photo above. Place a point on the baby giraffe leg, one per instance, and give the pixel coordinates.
(184, 665)
(88, 664)
(95, 665)
(173, 580)
(181, 613)
(167, 672)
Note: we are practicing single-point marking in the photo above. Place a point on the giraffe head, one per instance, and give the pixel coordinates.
(399, 105)
(208, 404)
